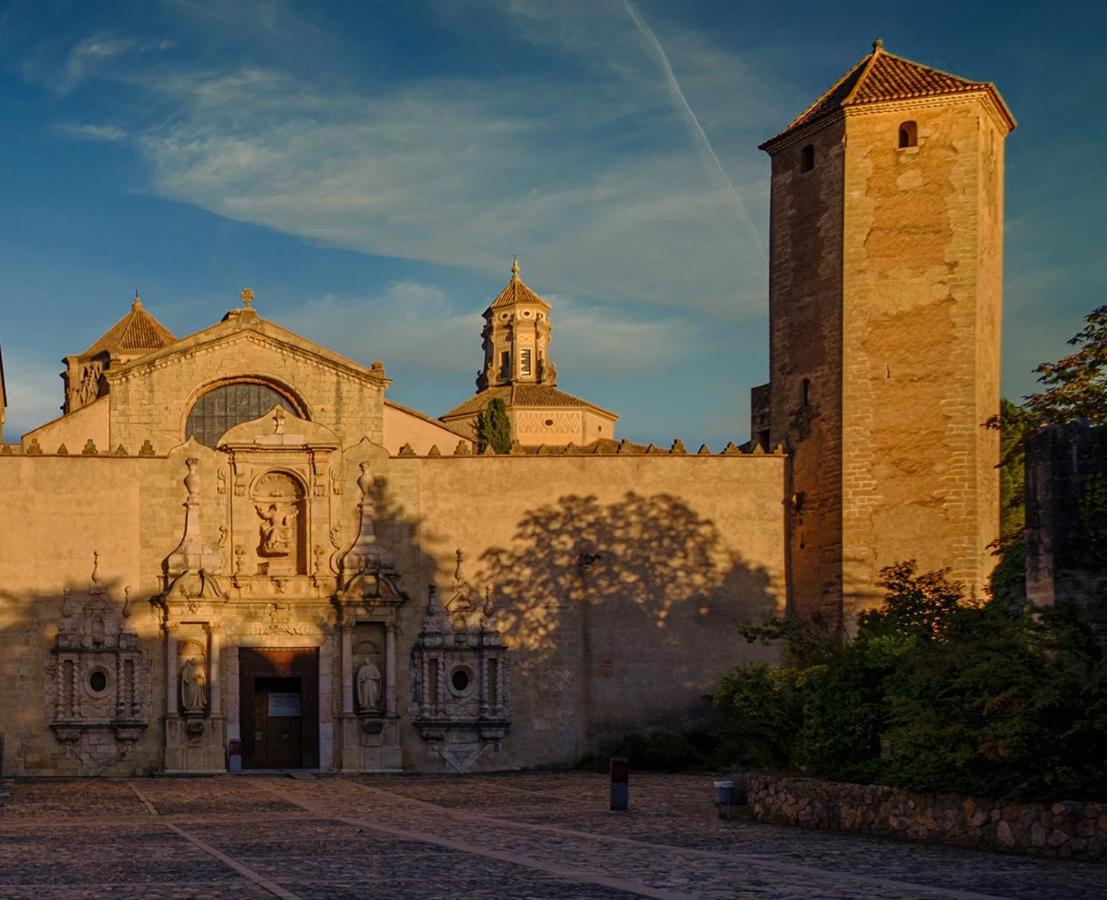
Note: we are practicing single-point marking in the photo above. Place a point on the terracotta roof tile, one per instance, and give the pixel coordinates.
(136, 332)
(882, 77)
(522, 395)
(517, 292)
(479, 401)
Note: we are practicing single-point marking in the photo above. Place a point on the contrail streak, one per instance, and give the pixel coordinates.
(707, 151)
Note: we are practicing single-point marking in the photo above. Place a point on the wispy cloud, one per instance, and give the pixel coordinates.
(698, 134)
(416, 322)
(592, 179)
(108, 134)
(453, 173)
(90, 54)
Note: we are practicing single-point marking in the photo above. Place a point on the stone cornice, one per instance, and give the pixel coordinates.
(171, 355)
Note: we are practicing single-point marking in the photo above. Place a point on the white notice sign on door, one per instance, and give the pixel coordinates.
(283, 705)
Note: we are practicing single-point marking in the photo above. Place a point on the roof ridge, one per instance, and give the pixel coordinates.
(930, 68)
(878, 48)
(829, 92)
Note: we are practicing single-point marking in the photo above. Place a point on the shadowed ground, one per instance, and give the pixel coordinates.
(519, 835)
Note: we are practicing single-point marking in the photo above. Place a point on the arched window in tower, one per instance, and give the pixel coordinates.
(227, 405)
(807, 158)
(908, 134)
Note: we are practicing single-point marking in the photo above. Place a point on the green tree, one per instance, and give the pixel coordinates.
(494, 427)
(1075, 387)
(916, 606)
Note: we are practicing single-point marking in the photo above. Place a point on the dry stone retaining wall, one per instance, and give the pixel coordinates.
(1069, 828)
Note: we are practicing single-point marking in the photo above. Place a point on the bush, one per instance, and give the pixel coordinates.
(934, 694)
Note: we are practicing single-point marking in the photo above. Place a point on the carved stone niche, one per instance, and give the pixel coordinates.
(99, 678)
(461, 676)
(280, 517)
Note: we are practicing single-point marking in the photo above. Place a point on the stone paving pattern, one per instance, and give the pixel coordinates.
(540, 835)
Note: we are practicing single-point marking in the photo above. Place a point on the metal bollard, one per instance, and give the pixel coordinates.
(620, 787)
(724, 798)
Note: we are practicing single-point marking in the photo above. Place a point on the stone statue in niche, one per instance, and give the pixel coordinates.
(278, 498)
(194, 684)
(368, 683)
(277, 530)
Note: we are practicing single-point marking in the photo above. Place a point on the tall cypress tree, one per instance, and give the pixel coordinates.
(494, 428)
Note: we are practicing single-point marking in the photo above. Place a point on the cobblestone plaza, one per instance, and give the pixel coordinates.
(518, 835)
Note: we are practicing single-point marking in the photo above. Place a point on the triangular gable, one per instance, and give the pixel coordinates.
(252, 327)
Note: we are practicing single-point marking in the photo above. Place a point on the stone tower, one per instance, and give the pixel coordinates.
(516, 338)
(517, 371)
(885, 293)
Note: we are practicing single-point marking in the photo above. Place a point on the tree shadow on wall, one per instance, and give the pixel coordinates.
(638, 601)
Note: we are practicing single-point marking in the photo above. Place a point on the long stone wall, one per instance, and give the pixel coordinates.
(1069, 828)
(618, 583)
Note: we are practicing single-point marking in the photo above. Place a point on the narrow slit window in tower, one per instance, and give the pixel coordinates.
(807, 158)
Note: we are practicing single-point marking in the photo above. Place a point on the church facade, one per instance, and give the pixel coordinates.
(234, 551)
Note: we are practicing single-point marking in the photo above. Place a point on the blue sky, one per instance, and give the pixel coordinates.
(369, 168)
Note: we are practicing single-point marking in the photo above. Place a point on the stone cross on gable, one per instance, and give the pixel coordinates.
(247, 298)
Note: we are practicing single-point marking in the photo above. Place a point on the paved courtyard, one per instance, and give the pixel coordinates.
(517, 836)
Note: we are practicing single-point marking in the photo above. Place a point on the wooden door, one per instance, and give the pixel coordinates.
(271, 683)
(278, 723)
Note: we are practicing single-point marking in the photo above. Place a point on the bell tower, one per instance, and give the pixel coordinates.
(885, 295)
(516, 338)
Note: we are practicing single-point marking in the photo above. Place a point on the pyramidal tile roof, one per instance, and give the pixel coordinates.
(882, 76)
(136, 332)
(517, 292)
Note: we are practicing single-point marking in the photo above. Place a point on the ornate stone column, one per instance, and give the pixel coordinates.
(390, 670)
(347, 669)
(171, 670)
(215, 680)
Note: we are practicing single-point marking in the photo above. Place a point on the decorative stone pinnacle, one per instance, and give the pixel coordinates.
(95, 567)
(365, 485)
(247, 296)
(515, 268)
(878, 44)
(137, 302)
(459, 576)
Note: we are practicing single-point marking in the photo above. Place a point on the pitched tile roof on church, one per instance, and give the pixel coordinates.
(540, 396)
(517, 292)
(136, 332)
(882, 77)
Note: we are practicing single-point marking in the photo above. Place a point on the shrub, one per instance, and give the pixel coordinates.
(934, 694)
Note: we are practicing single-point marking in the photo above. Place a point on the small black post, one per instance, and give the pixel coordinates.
(620, 788)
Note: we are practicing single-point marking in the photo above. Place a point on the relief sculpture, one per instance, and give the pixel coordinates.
(277, 530)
